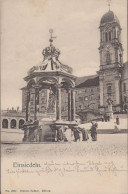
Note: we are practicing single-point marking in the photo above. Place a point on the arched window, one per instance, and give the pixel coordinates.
(13, 123)
(106, 36)
(21, 122)
(5, 123)
(124, 87)
(109, 90)
(109, 35)
(108, 57)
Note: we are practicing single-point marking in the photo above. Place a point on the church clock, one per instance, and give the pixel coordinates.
(111, 60)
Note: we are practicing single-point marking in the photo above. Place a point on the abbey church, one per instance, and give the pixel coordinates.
(111, 80)
(92, 93)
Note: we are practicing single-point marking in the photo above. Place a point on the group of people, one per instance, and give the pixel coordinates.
(31, 131)
(68, 133)
(75, 133)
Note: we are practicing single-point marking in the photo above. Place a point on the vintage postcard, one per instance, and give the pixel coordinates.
(64, 97)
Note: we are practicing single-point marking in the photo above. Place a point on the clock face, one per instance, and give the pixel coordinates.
(108, 27)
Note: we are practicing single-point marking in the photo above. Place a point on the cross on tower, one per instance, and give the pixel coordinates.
(51, 38)
(109, 1)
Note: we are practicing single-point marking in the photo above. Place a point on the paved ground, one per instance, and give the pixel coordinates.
(107, 145)
(77, 167)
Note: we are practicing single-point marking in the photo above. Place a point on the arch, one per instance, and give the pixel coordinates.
(53, 79)
(21, 122)
(68, 82)
(31, 83)
(5, 123)
(13, 123)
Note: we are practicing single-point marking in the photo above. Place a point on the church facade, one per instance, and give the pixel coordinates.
(111, 81)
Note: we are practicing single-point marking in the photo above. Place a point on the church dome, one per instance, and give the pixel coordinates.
(109, 17)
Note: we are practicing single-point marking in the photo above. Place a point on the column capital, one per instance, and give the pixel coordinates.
(101, 78)
(58, 85)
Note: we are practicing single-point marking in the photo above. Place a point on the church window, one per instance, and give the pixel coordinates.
(106, 36)
(109, 35)
(103, 36)
(124, 87)
(108, 57)
(91, 97)
(32, 96)
(109, 90)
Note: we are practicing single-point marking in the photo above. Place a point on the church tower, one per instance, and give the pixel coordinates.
(111, 61)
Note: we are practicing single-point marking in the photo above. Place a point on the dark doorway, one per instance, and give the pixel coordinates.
(21, 122)
(13, 123)
(5, 123)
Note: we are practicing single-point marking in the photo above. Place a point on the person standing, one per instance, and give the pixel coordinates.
(85, 136)
(76, 134)
(59, 133)
(67, 134)
(117, 120)
(93, 131)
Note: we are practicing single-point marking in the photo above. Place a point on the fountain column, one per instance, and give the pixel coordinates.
(73, 104)
(69, 104)
(58, 102)
(36, 101)
(27, 103)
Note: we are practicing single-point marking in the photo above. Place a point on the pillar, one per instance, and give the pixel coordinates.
(36, 101)
(27, 102)
(9, 123)
(73, 105)
(58, 102)
(17, 124)
(116, 54)
(69, 104)
(101, 58)
(101, 92)
(117, 89)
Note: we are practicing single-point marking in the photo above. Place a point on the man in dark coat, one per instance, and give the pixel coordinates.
(117, 120)
(76, 134)
(93, 131)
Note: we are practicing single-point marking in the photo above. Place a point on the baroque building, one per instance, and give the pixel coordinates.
(93, 92)
(110, 82)
(111, 61)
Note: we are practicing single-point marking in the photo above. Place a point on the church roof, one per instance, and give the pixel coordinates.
(109, 17)
(80, 80)
(89, 82)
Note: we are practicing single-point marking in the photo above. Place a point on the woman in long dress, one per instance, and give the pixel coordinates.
(68, 134)
(85, 136)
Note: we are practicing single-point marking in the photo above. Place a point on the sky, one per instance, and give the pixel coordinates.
(25, 28)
